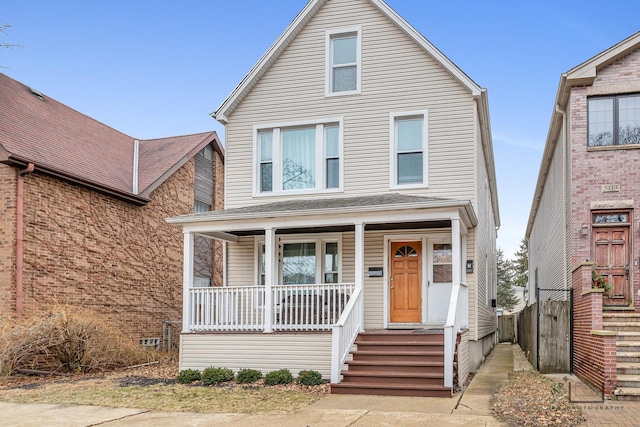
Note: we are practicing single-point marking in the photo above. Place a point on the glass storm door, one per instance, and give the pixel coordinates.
(405, 283)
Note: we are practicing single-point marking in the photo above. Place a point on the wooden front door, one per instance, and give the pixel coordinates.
(611, 250)
(405, 282)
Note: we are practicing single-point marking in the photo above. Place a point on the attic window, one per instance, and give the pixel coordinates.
(36, 93)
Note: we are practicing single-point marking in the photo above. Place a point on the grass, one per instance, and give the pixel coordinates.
(165, 397)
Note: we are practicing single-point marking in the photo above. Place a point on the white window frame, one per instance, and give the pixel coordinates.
(329, 35)
(319, 239)
(320, 157)
(393, 160)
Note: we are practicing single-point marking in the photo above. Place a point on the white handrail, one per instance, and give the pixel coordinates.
(457, 319)
(345, 332)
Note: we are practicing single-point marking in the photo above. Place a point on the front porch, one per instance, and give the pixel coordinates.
(322, 275)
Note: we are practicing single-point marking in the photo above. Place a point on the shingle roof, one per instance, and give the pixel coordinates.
(35, 128)
(327, 206)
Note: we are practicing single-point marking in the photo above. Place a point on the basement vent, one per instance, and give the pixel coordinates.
(36, 93)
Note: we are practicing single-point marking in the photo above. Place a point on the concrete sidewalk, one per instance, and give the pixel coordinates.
(470, 409)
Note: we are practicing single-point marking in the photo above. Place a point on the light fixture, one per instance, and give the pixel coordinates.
(584, 229)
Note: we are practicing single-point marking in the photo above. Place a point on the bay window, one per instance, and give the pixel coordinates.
(298, 157)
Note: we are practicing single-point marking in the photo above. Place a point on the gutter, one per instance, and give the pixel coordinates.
(564, 190)
(20, 238)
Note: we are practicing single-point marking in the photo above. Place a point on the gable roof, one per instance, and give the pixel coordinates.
(308, 12)
(65, 143)
(580, 75)
(299, 22)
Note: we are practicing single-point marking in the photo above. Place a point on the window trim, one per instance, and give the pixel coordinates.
(329, 35)
(320, 157)
(393, 149)
(615, 119)
(320, 241)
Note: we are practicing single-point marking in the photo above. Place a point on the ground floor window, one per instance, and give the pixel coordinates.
(303, 261)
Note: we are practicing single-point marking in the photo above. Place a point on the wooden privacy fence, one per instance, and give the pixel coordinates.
(506, 328)
(544, 331)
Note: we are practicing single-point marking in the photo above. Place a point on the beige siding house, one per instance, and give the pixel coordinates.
(361, 211)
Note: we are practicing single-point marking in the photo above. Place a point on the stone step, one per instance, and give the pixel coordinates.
(627, 356)
(628, 381)
(621, 326)
(628, 394)
(628, 368)
(628, 336)
(628, 316)
(633, 346)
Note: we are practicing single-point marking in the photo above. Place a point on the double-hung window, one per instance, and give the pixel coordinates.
(298, 157)
(343, 61)
(304, 261)
(408, 135)
(614, 120)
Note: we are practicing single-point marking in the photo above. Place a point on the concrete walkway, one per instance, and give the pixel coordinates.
(471, 409)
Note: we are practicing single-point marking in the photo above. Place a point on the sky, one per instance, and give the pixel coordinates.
(158, 68)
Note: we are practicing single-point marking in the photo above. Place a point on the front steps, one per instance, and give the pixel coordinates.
(396, 363)
(627, 326)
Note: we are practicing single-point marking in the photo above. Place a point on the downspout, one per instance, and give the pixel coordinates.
(564, 192)
(20, 238)
(136, 154)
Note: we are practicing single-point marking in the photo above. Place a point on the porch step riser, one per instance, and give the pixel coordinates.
(390, 378)
(383, 368)
(398, 347)
(384, 358)
(628, 348)
(413, 338)
(628, 398)
(384, 391)
(628, 384)
(628, 336)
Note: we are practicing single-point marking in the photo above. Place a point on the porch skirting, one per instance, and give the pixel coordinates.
(265, 352)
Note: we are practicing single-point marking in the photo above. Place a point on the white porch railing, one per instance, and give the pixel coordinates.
(241, 308)
(457, 319)
(345, 332)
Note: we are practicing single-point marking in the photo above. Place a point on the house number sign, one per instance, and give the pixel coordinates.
(610, 188)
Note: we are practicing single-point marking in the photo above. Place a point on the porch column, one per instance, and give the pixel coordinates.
(187, 280)
(456, 252)
(270, 275)
(359, 267)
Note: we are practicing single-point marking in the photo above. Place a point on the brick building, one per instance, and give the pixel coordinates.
(83, 208)
(583, 223)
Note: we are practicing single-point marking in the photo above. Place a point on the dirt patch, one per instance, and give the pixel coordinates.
(530, 399)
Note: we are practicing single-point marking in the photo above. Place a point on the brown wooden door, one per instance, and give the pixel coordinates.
(611, 249)
(405, 284)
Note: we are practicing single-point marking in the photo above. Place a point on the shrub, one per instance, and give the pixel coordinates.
(309, 378)
(246, 376)
(213, 375)
(283, 376)
(188, 376)
(66, 338)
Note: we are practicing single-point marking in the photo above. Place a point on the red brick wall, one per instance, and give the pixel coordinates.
(90, 249)
(218, 204)
(8, 194)
(592, 169)
(594, 356)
